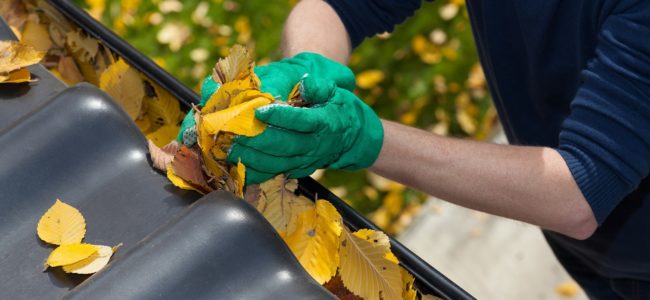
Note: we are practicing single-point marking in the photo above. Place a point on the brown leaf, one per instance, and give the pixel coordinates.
(161, 158)
(187, 165)
(14, 12)
(336, 287)
(69, 70)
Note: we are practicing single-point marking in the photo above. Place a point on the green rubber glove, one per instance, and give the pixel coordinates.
(339, 131)
(278, 79)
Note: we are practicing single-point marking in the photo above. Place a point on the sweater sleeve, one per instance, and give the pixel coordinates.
(365, 18)
(605, 140)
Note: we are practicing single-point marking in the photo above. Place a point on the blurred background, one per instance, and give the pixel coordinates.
(425, 74)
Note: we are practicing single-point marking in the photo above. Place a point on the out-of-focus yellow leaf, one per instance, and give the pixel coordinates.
(15, 55)
(123, 83)
(91, 264)
(96, 8)
(280, 205)
(364, 268)
(567, 289)
(315, 240)
(37, 36)
(239, 119)
(70, 254)
(394, 201)
(61, 224)
(369, 78)
(180, 182)
(164, 135)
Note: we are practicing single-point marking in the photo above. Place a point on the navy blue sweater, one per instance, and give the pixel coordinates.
(573, 75)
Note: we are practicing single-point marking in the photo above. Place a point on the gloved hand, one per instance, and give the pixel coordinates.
(338, 131)
(278, 79)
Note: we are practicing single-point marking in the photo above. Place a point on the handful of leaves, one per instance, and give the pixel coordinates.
(229, 112)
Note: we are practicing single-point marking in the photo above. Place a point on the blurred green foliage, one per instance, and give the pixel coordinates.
(423, 74)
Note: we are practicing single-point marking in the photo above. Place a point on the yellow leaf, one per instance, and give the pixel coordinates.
(238, 174)
(69, 70)
(92, 263)
(222, 97)
(280, 205)
(365, 271)
(408, 291)
(143, 124)
(222, 145)
(96, 8)
(36, 35)
(18, 76)
(369, 78)
(239, 119)
(83, 46)
(15, 55)
(180, 182)
(315, 240)
(70, 254)
(61, 224)
(567, 289)
(164, 109)
(123, 83)
(237, 65)
(163, 135)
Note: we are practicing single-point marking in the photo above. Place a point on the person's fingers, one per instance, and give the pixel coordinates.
(293, 118)
(317, 90)
(280, 142)
(266, 163)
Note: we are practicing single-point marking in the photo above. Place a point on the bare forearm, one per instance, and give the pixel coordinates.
(531, 184)
(313, 26)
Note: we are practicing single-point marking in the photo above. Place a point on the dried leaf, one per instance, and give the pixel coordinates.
(239, 119)
(237, 65)
(180, 182)
(163, 109)
(222, 97)
(70, 254)
(336, 287)
(15, 55)
(18, 76)
(315, 240)
(61, 224)
(92, 263)
(83, 46)
(186, 165)
(408, 289)
(238, 174)
(123, 83)
(69, 70)
(281, 206)
(37, 36)
(14, 12)
(161, 158)
(164, 135)
(364, 268)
